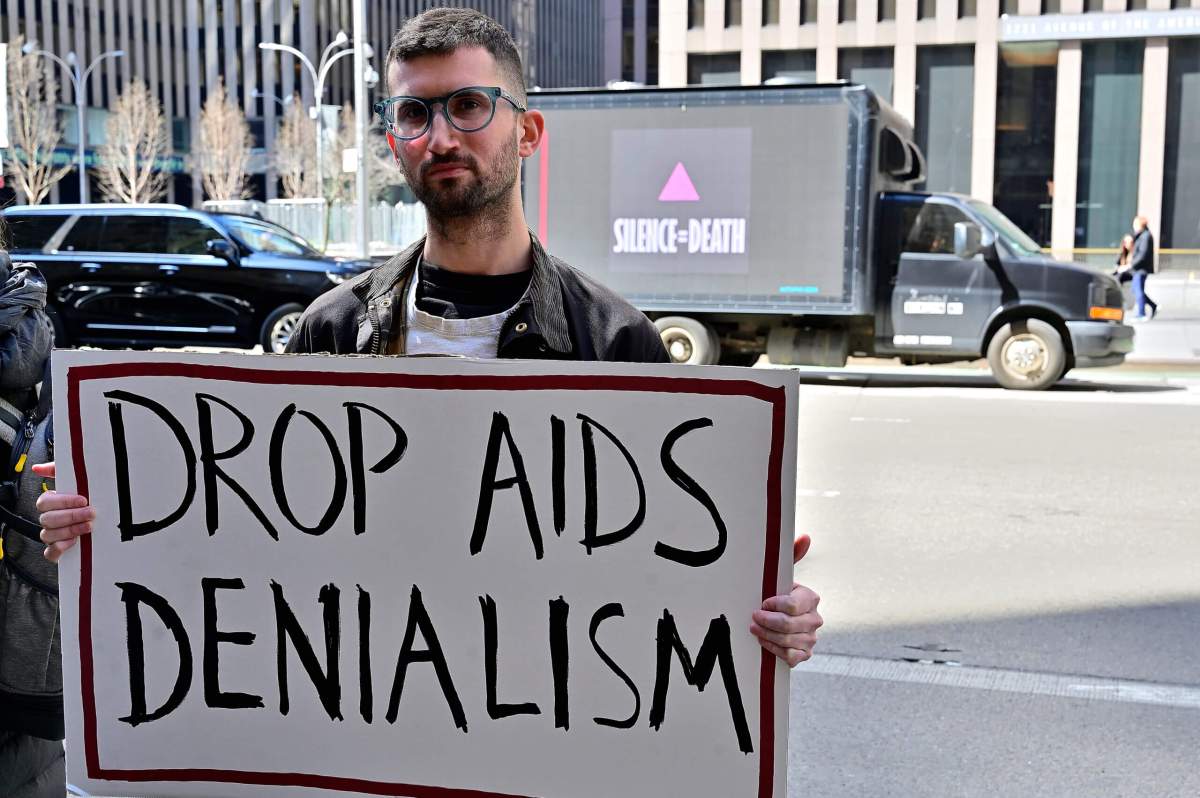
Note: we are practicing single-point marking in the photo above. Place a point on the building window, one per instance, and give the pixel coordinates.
(1137, 5)
(847, 10)
(1010, 7)
(1026, 86)
(808, 12)
(1051, 6)
(799, 66)
(1180, 224)
(1110, 129)
(652, 42)
(733, 13)
(966, 8)
(945, 112)
(1093, 6)
(887, 10)
(714, 68)
(926, 9)
(695, 13)
(870, 66)
(770, 12)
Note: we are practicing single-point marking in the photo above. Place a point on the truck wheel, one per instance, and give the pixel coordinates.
(689, 341)
(278, 327)
(1027, 354)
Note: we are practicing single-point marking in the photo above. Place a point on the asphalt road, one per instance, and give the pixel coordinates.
(1010, 583)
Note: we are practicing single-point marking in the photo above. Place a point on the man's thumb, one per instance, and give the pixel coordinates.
(800, 548)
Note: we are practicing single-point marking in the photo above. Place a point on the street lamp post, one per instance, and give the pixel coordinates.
(318, 75)
(79, 83)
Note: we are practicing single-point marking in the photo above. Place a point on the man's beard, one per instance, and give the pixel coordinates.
(482, 195)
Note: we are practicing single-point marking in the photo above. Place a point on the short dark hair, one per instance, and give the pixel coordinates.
(441, 31)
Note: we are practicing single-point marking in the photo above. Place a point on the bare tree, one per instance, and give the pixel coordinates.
(223, 150)
(295, 152)
(33, 125)
(136, 141)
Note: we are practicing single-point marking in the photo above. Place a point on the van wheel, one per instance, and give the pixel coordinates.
(60, 329)
(689, 341)
(278, 327)
(1027, 355)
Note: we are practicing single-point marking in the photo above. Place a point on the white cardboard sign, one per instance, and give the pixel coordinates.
(423, 577)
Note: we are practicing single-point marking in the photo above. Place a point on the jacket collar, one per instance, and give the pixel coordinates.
(544, 297)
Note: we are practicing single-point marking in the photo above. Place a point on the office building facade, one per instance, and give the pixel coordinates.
(1070, 115)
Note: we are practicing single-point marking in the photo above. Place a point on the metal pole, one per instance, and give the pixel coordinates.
(360, 128)
(80, 110)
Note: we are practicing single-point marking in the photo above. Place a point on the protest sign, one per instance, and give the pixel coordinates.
(423, 577)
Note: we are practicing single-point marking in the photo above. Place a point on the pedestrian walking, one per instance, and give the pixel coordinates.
(1141, 264)
(1122, 272)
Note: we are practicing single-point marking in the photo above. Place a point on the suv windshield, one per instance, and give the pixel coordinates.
(1013, 236)
(261, 236)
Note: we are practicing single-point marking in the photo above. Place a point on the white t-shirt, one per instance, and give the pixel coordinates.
(432, 335)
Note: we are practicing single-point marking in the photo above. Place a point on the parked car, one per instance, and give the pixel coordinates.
(164, 275)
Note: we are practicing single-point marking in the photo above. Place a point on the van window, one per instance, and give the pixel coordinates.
(85, 235)
(30, 232)
(136, 234)
(188, 236)
(932, 228)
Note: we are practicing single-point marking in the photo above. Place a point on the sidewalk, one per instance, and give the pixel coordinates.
(1174, 335)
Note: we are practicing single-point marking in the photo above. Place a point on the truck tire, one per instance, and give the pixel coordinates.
(1027, 355)
(689, 341)
(278, 327)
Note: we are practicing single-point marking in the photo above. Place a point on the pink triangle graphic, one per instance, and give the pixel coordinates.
(679, 187)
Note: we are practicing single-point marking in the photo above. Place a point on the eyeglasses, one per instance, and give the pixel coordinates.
(468, 110)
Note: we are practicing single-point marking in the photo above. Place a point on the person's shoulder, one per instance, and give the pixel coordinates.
(339, 298)
(582, 286)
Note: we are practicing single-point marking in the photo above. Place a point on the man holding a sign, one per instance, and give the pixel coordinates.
(480, 284)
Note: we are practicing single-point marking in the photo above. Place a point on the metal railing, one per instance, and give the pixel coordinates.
(392, 227)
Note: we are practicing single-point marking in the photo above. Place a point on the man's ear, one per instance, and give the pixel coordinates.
(393, 145)
(533, 127)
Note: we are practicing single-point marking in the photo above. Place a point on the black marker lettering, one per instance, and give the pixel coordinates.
(419, 618)
(213, 696)
(695, 559)
(495, 709)
(328, 681)
(559, 661)
(276, 467)
(208, 461)
(591, 539)
(133, 595)
(365, 691)
(128, 527)
(358, 477)
(609, 611)
(488, 486)
(715, 649)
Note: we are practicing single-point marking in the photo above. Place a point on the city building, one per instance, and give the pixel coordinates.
(1070, 115)
(182, 47)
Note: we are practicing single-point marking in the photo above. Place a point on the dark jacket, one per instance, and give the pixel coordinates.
(565, 315)
(1142, 258)
(30, 662)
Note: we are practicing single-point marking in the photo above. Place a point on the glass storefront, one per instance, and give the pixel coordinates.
(945, 113)
(1110, 130)
(1181, 173)
(871, 66)
(714, 68)
(1027, 84)
(797, 65)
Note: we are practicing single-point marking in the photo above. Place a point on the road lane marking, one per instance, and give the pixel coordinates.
(1057, 685)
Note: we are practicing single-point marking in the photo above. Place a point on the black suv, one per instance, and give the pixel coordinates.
(164, 275)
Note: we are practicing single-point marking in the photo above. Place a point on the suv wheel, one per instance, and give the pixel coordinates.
(278, 327)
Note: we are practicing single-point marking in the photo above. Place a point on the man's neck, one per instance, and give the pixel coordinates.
(481, 246)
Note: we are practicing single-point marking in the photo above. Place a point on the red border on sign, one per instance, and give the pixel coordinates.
(775, 397)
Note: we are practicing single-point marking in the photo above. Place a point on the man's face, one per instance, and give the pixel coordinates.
(1138, 224)
(458, 174)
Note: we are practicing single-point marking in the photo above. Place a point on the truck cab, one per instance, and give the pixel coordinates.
(957, 280)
